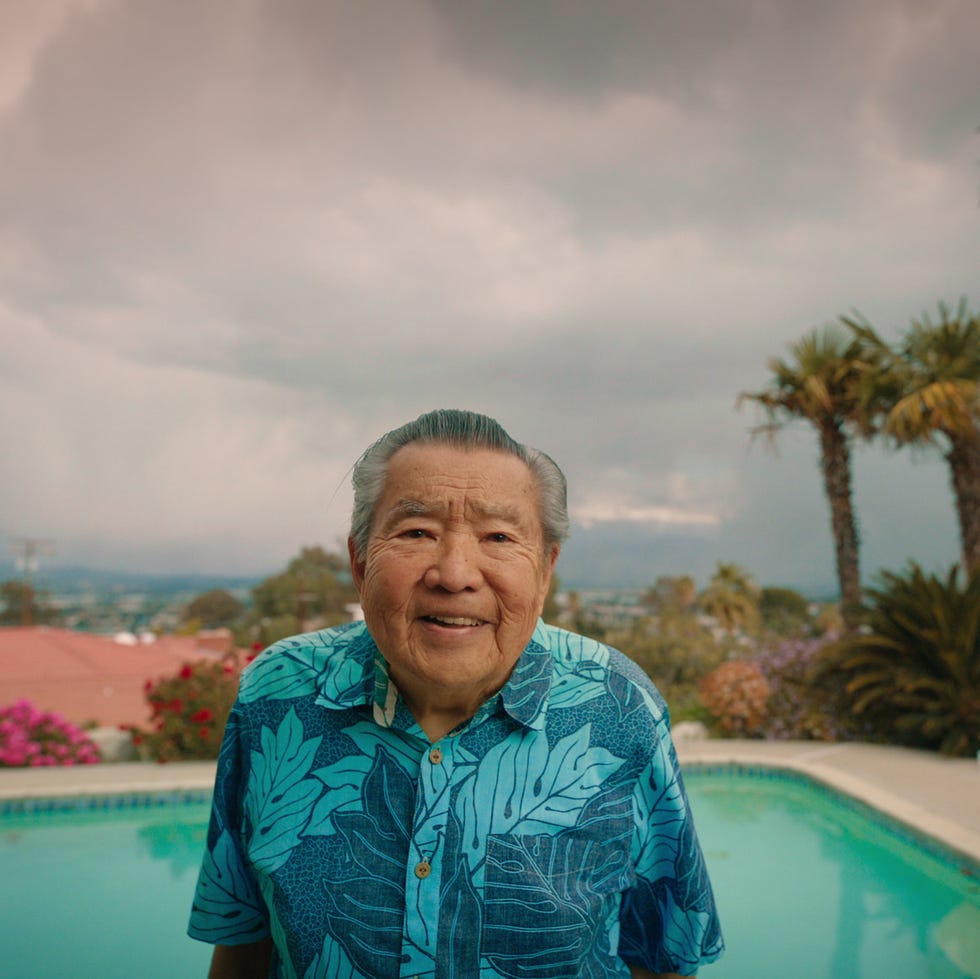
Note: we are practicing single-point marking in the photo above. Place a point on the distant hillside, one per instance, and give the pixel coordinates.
(74, 579)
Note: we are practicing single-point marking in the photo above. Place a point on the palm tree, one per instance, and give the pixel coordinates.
(914, 675)
(821, 385)
(928, 391)
(732, 597)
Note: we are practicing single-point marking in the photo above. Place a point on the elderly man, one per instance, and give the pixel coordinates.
(451, 788)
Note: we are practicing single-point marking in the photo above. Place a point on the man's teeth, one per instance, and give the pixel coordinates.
(454, 620)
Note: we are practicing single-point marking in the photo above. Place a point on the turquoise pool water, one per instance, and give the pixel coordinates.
(102, 893)
(809, 886)
(815, 886)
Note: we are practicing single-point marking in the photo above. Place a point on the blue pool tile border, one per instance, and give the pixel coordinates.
(108, 802)
(953, 859)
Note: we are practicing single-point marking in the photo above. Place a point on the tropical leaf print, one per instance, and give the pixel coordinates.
(662, 821)
(331, 963)
(543, 911)
(568, 647)
(577, 686)
(460, 914)
(342, 782)
(369, 738)
(297, 666)
(279, 674)
(522, 786)
(226, 900)
(344, 778)
(280, 796)
(664, 936)
(364, 883)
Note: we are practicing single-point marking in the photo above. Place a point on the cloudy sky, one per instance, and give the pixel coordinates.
(240, 240)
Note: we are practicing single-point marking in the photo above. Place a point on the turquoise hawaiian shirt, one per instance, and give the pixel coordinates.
(548, 836)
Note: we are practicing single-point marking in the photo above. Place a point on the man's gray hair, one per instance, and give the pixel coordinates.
(466, 430)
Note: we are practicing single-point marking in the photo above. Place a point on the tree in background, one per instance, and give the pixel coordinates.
(212, 610)
(784, 611)
(820, 384)
(312, 593)
(24, 605)
(671, 593)
(732, 597)
(926, 390)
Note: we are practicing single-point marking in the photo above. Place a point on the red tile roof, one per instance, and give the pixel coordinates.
(85, 677)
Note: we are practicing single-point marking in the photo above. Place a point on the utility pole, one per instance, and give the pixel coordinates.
(27, 551)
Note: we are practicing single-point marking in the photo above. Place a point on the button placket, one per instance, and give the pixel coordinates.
(423, 873)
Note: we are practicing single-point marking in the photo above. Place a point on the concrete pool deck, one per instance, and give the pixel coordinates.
(937, 796)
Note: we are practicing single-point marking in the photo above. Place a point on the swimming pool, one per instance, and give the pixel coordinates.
(101, 888)
(809, 885)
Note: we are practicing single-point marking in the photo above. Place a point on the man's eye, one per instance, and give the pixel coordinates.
(414, 533)
(498, 538)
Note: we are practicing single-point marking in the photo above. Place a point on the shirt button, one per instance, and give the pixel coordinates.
(435, 756)
(422, 869)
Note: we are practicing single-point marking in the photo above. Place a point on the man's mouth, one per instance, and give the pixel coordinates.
(453, 620)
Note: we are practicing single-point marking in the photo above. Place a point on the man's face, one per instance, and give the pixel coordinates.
(456, 571)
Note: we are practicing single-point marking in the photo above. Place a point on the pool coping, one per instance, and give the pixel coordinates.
(892, 781)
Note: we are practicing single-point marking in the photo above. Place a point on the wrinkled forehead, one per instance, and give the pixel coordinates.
(435, 479)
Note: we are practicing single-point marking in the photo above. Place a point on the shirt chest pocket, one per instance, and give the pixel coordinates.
(551, 901)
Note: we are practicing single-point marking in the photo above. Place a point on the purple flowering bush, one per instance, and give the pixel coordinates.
(31, 737)
(799, 707)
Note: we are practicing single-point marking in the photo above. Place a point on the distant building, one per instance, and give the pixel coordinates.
(92, 679)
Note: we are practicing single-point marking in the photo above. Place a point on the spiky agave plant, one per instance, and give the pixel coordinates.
(914, 672)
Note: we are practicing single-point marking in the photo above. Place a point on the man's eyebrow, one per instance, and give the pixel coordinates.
(408, 508)
(498, 511)
(484, 511)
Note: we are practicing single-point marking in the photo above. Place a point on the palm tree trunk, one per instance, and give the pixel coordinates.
(964, 464)
(835, 454)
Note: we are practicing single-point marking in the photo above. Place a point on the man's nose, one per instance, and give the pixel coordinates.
(456, 567)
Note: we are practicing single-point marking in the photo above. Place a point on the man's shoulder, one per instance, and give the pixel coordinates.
(594, 664)
(325, 662)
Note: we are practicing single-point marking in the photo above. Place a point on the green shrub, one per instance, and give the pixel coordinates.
(189, 711)
(913, 675)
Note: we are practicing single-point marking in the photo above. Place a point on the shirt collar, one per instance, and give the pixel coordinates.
(524, 697)
(347, 677)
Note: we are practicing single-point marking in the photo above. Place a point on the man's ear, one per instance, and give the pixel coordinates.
(553, 557)
(550, 559)
(356, 565)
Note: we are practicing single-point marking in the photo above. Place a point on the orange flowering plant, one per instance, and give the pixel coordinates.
(736, 695)
(188, 711)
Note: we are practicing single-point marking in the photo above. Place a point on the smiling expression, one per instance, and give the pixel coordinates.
(455, 574)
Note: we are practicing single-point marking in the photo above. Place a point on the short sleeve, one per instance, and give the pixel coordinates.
(227, 907)
(668, 921)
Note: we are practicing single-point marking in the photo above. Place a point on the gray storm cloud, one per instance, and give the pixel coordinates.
(239, 241)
